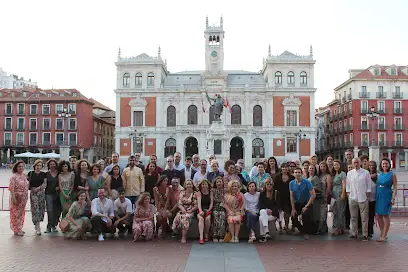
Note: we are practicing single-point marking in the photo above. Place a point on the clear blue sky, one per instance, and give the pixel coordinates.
(75, 44)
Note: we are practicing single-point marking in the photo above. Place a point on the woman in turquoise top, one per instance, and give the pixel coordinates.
(339, 194)
(385, 197)
(95, 181)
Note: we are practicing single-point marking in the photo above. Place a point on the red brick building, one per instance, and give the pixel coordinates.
(30, 121)
(345, 124)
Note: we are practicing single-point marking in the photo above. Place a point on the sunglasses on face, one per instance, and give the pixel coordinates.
(169, 161)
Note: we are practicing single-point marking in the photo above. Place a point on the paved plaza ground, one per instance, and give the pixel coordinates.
(50, 252)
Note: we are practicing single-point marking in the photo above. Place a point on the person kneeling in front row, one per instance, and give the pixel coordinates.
(123, 213)
(268, 206)
(102, 214)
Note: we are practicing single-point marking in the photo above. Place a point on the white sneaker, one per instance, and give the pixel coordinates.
(100, 237)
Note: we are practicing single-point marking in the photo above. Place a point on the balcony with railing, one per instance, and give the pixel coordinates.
(364, 143)
(335, 117)
(397, 95)
(350, 112)
(382, 143)
(397, 110)
(364, 110)
(382, 111)
(398, 144)
(381, 95)
(364, 95)
(7, 142)
(398, 127)
(32, 142)
(382, 127)
(343, 99)
(349, 96)
(364, 127)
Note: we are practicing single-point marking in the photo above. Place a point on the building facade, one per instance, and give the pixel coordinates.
(31, 121)
(270, 113)
(346, 123)
(14, 82)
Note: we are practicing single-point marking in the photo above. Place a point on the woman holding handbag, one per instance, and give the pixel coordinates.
(234, 205)
(18, 198)
(66, 185)
(205, 204)
(38, 182)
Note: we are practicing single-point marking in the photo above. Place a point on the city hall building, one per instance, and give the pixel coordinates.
(269, 112)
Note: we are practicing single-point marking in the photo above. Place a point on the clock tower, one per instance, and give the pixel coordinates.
(214, 48)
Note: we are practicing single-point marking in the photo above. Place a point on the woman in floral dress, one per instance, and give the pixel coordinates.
(78, 224)
(143, 218)
(161, 193)
(234, 205)
(66, 184)
(326, 183)
(38, 182)
(219, 223)
(339, 194)
(18, 198)
(187, 206)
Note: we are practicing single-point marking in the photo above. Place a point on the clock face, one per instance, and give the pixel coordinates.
(214, 54)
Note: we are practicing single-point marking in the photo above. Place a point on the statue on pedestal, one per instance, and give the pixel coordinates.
(218, 103)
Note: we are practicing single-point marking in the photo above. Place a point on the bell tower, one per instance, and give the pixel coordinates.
(214, 48)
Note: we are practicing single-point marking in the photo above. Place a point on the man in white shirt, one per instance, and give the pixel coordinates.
(123, 213)
(358, 188)
(201, 173)
(254, 169)
(102, 214)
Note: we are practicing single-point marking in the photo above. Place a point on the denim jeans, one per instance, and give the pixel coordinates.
(133, 199)
(53, 211)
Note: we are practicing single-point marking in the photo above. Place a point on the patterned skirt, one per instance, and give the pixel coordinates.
(37, 201)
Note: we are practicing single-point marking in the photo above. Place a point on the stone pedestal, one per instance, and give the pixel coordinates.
(64, 152)
(374, 153)
(355, 151)
(218, 131)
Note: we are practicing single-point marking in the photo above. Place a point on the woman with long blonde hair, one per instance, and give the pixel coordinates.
(234, 205)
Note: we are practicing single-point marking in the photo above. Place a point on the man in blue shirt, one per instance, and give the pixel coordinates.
(302, 195)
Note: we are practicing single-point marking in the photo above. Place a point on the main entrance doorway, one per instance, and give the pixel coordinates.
(191, 147)
(236, 149)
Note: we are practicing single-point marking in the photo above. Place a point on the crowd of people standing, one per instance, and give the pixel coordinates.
(148, 201)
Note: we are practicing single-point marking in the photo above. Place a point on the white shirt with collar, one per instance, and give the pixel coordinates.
(358, 184)
(187, 172)
(198, 177)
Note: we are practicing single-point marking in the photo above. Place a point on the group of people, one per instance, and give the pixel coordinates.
(153, 201)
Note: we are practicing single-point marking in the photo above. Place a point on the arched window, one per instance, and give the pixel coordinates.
(170, 147)
(126, 80)
(150, 79)
(257, 148)
(138, 79)
(171, 116)
(291, 78)
(236, 115)
(278, 78)
(303, 78)
(212, 114)
(192, 115)
(257, 116)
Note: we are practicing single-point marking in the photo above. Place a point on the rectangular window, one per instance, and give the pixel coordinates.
(364, 139)
(20, 138)
(20, 109)
(46, 138)
(381, 123)
(137, 118)
(72, 124)
(72, 139)
(20, 123)
(364, 89)
(46, 109)
(7, 123)
(72, 108)
(59, 124)
(291, 145)
(8, 109)
(351, 139)
(381, 107)
(291, 118)
(33, 109)
(7, 138)
(46, 123)
(398, 137)
(33, 139)
(217, 147)
(59, 108)
(381, 139)
(33, 124)
(364, 122)
(59, 138)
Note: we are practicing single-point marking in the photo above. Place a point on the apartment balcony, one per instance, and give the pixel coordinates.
(335, 117)
(348, 128)
(382, 143)
(364, 143)
(364, 95)
(364, 110)
(349, 96)
(364, 127)
(33, 143)
(381, 95)
(20, 113)
(398, 144)
(398, 127)
(7, 128)
(330, 118)
(397, 95)
(350, 112)
(397, 110)
(46, 143)
(382, 127)
(33, 129)
(7, 142)
(382, 111)
(343, 100)
(8, 113)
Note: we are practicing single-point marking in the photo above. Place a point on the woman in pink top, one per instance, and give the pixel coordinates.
(18, 198)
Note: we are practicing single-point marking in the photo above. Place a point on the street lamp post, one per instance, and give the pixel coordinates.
(374, 149)
(301, 136)
(136, 142)
(64, 147)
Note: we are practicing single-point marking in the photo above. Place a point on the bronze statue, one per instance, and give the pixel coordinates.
(217, 102)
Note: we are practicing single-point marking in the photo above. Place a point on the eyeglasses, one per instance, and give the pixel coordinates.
(169, 161)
